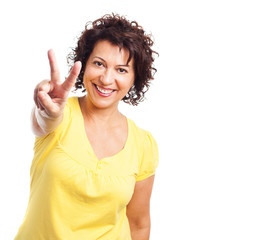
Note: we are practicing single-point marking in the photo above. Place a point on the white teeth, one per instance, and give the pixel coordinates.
(103, 90)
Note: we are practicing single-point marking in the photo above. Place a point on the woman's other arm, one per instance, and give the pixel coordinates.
(138, 209)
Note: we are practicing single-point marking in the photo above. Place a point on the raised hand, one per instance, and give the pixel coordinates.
(50, 96)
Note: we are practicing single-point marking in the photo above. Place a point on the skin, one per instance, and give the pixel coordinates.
(108, 69)
(138, 209)
(50, 98)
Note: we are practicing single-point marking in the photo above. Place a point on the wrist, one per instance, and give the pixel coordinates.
(43, 114)
(47, 123)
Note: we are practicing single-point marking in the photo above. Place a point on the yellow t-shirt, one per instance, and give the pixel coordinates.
(73, 196)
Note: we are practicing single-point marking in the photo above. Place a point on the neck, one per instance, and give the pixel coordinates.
(95, 115)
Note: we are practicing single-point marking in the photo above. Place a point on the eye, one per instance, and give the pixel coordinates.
(97, 63)
(122, 70)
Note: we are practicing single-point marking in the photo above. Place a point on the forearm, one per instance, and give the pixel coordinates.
(42, 124)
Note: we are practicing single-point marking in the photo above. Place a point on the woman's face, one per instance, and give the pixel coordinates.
(108, 77)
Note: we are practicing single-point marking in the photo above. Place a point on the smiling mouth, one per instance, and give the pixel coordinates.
(104, 91)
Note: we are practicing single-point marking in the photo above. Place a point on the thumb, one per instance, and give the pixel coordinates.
(71, 79)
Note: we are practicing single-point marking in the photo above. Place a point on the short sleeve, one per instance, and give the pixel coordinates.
(149, 159)
(43, 145)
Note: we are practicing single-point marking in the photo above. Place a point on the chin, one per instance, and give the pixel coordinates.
(104, 103)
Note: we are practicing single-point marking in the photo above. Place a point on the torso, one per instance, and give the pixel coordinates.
(107, 142)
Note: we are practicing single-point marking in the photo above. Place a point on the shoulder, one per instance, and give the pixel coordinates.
(144, 140)
(142, 135)
(71, 108)
(149, 154)
(72, 103)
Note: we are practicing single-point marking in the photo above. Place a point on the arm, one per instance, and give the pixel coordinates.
(42, 124)
(50, 98)
(138, 209)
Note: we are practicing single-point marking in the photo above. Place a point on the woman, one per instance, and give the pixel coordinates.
(93, 168)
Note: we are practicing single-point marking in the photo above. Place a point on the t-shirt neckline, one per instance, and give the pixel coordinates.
(87, 143)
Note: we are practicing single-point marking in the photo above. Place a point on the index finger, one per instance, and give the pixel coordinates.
(54, 70)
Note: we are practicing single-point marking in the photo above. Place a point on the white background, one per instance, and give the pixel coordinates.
(207, 108)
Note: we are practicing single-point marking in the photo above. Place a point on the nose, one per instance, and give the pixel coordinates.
(107, 77)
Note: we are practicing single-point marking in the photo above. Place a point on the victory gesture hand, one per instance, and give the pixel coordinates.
(50, 96)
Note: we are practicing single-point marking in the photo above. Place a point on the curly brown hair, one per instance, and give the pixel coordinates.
(124, 34)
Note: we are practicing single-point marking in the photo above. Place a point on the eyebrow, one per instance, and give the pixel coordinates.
(120, 65)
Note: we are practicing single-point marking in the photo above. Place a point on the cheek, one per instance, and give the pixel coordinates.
(127, 81)
(125, 84)
(89, 75)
